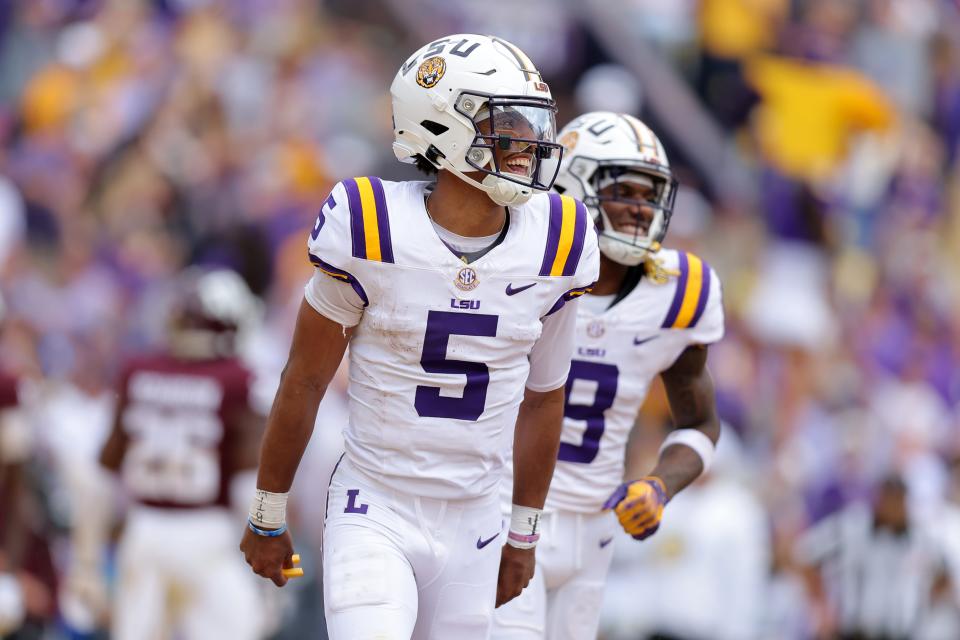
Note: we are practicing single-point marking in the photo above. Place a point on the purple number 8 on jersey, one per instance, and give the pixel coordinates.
(605, 375)
(440, 326)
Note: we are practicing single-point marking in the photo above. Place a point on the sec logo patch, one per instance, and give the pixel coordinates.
(595, 329)
(466, 279)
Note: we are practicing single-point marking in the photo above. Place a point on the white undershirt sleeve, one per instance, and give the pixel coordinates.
(550, 356)
(333, 299)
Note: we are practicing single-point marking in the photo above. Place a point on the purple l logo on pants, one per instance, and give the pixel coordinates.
(352, 502)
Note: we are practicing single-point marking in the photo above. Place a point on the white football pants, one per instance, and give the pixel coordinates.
(397, 566)
(181, 575)
(563, 600)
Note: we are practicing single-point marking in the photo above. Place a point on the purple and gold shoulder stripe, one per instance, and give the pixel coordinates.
(369, 222)
(690, 298)
(568, 227)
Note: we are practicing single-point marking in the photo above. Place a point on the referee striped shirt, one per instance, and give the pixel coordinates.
(879, 581)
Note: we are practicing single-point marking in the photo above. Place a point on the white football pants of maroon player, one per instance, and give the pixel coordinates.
(179, 571)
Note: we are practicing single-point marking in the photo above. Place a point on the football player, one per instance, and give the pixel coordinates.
(652, 312)
(27, 573)
(184, 432)
(26, 587)
(452, 296)
(12, 610)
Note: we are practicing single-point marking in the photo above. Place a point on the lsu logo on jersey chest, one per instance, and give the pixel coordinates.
(464, 304)
(591, 352)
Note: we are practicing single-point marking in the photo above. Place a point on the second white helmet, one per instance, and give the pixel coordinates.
(601, 147)
(460, 98)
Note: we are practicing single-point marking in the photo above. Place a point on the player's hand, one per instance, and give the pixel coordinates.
(84, 591)
(516, 571)
(267, 556)
(639, 506)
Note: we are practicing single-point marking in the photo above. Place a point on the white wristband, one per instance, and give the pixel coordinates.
(697, 440)
(268, 509)
(524, 527)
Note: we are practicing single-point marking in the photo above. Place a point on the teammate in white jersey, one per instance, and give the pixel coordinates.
(452, 298)
(652, 312)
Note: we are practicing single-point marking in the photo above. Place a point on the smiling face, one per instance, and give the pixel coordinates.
(632, 209)
(629, 204)
(513, 148)
(515, 141)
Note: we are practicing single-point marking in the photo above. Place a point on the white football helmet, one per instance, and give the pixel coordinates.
(602, 148)
(213, 309)
(458, 97)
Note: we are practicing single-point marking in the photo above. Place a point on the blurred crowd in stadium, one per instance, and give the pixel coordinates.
(138, 137)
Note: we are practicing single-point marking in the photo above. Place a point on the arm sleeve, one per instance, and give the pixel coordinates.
(335, 300)
(710, 327)
(550, 356)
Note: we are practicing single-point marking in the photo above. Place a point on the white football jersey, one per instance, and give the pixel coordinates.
(439, 359)
(618, 353)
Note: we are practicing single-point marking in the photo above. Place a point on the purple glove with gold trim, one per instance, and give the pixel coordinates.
(639, 506)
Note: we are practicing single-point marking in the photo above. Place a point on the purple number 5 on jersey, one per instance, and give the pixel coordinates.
(440, 326)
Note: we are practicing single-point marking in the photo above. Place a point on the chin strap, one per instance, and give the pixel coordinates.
(502, 192)
(506, 193)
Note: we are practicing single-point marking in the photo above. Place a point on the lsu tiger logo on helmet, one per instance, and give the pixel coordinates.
(431, 71)
(569, 140)
(489, 93)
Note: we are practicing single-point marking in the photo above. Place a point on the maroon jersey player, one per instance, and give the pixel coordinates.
(27, 575)
(184, 430)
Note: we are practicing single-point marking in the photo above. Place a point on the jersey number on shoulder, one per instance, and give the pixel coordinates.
(328, 205)
(440, 326)
(605, 377)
